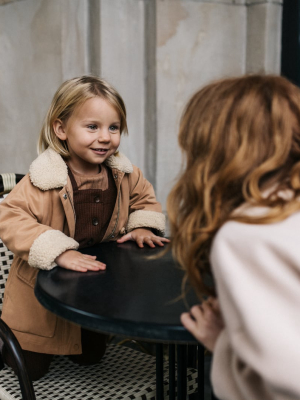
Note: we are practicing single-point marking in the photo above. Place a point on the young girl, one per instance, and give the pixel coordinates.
(235, 212)
(79, 191)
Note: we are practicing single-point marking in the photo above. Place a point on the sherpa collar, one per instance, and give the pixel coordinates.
(49, 171)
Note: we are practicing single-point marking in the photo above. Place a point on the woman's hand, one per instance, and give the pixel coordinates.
(141, 236)
(77, 261)
(205, 322)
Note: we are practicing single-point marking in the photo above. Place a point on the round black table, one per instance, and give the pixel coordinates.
(136, 296)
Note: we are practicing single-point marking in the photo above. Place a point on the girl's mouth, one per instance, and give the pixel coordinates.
(100, 151)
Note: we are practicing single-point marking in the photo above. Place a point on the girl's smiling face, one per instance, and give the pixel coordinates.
(92, 133)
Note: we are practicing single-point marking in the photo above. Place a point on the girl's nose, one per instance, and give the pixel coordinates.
(104, 135)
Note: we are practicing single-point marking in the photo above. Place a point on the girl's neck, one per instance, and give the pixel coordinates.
(92, 169)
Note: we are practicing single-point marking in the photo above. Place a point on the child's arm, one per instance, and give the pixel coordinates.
(25, 227)
(146, 222)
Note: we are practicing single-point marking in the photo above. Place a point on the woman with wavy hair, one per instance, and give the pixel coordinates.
(235, 215)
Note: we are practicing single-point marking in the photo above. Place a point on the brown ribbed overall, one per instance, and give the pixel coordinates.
(93, 210)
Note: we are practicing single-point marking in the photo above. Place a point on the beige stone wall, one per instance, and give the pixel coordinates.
(7, 1)
(157, 53)
(42, 43)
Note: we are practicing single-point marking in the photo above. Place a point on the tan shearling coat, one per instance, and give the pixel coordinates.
(37, 223)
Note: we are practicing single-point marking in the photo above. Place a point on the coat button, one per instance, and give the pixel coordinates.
(65, 196)
(90, 242)
(97, 199)
(95, 221)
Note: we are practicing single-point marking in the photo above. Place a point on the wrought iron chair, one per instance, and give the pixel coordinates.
(122, 374)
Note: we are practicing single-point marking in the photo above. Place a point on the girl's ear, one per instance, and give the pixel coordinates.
(59, 129)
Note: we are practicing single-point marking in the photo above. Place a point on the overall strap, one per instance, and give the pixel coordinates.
(73, 181)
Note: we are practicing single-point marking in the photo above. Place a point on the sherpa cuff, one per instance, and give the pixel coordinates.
(147, 219)
(47, 247)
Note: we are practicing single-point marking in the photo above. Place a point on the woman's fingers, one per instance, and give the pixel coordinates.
(204, 322)
(197, 312)
(214, 303)
(213, 311)
(194, 322)
(189, 323)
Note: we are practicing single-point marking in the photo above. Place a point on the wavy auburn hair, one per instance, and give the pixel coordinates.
(241, 142)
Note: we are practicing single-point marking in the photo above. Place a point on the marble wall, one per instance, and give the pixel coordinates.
(157, 53)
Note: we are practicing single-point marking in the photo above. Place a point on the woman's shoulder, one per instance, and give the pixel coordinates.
(249, 239)
(238, 229)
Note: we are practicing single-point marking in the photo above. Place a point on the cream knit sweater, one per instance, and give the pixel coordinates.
(257, 272)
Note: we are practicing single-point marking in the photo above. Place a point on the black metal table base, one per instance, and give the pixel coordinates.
(184, 356)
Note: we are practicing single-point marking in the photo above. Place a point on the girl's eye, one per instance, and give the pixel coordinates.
(114, 128)
(92, 127)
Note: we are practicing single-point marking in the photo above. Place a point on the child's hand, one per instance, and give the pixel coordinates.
(205, 322)
(141, 236)
(76, 261)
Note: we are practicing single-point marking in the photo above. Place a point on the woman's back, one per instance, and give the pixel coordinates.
(235, 214)
(257, 274)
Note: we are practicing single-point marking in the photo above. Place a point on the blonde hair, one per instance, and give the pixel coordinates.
(241, 142)
(70, 95)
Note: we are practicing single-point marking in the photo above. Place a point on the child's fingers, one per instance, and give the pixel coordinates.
(87, 267)
(159, 240)
(150, 241)
(140, 238)
(76, 261)
(155, 240)
(144, 235)
(125, 238)
(89, 256)
(90, 262)
(140, 242)
(93, 266)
